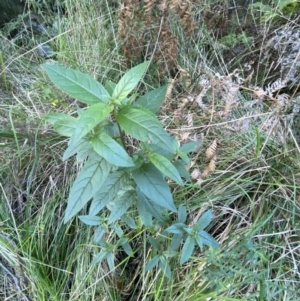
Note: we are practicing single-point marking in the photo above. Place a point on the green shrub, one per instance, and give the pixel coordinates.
(119, 174)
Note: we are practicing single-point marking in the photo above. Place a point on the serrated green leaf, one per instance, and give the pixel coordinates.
(82, 146)
(145, 216)
(208, 240)
(118, 230)
(108, 191)
(127, 249)
(165, 267)
(111, 150)
(64, 124)
(103, 244)
(90, 177)
(122, 241)
(182, 214)
(199, 242)
(152, 263)
(99, 257)
(157, 149)
(154, 242)
(55, 116)
(129, 221)
(65, 127)
(99, 234)
(120, 205)
(90, 220)
(180, 166)
(143, 125)
(89, 119)
(166, 167)
(189, 231)
(187, 250)
(152, 184)
(204, 220)
(110, 261)
(153, 99)
(80, 111)
(129, 100)
(176, 241)
(110, 129)
(77, 84)
(169, 253)
(129, 81)
(110, 86)
(190, 147)
(177, 228)
(184, 157)
(147, 209)
(85, 152)
(175, 143)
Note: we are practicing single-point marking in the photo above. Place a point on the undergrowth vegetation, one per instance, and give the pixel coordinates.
(223, 77)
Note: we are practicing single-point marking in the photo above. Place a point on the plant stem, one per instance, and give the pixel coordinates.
(120, 131)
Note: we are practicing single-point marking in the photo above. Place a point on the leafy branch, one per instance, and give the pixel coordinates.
(115, 181)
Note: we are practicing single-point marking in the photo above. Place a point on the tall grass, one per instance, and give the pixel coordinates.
(254, 190)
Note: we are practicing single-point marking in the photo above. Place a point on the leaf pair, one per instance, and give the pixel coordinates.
(194, 235)
(77, 128)
(87, 90)
(161, 259)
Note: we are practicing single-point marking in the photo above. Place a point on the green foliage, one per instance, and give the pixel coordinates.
(152, 100)
(194, 235)
(280, 10)
(75, 83)
(95, 170)
(143, 125)
(128, 82)
(233, 39)
(111, 150)
(151, 182)
(115, 180)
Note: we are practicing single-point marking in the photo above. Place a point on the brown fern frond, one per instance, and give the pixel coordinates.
(179, 111)
(211, 150)
(230, 98)
(129, 29)
(174, 4)
(190, 119)
(148, 6)
(187, 21)
(181, 6)
(125, 16)
(167, 51)
(209, 168)
(164, 5)
(183, 10)
(122, 19)
(145, 30)
(170, 88)
(185, 77)
(205, 85)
